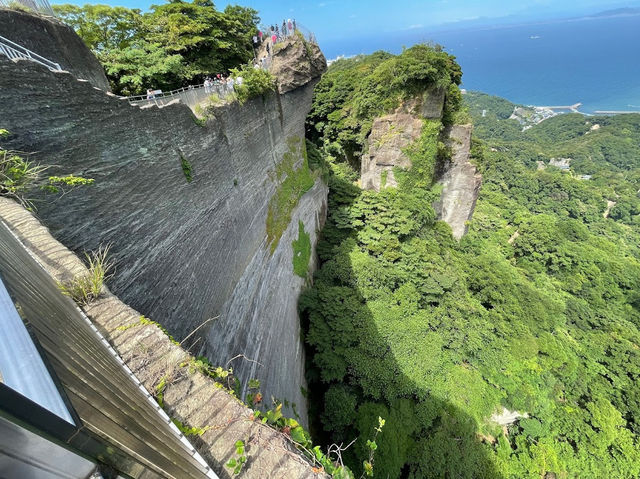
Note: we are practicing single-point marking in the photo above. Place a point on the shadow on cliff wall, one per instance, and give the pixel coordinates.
(424, 436)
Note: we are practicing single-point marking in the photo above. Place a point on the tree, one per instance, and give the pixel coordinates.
(166, 48)
(103, 28)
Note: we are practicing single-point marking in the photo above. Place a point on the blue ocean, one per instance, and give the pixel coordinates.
(594, 61)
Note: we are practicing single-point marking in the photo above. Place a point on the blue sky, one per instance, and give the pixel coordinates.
(333, 20)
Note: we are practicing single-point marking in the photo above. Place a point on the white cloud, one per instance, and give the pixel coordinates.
(413, 27)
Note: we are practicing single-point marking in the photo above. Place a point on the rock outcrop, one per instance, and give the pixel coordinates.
(461, 183)
(390, 135)
(55, 41)
(296, 62)
(431, 103)
(184, 208)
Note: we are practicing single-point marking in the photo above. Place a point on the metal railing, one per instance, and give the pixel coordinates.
(267, 33)
(41, 6)
(190, 95)
(15, 51)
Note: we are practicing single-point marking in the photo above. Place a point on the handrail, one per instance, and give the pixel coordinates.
(164, 94)
(281, 36)
(13, 51)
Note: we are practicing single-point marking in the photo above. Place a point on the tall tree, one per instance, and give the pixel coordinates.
(169, 46)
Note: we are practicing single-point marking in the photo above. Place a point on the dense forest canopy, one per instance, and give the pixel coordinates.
(168, 47)
(536, 310)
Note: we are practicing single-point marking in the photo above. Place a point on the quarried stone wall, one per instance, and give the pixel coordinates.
(55, 41)
(184, 251)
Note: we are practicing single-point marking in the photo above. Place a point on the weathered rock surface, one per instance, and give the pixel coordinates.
(562, 163)
(296, 62)
(390, 135)
(267, 318)
(461, 183)
(432, 103)
(185, 252)
(189, 396)
(52, 39)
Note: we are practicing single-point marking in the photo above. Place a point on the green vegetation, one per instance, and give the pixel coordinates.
(237, 463)
(170, 45)
(186, 168)
(535, 310)
(20, 7)
(159, 389)
(203, 365)
(301, 252)
(188, 430)
(202, 122)
(354, 91)
(57, 184)
(146, 321)
(88, 287)
(255, 81)
(293, 184)
(18, 176)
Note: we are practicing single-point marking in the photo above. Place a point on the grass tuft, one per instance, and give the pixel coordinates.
(88, 287)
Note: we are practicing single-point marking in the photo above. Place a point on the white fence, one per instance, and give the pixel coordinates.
(190, 96)
(15, 51)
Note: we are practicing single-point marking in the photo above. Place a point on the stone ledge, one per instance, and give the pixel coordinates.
(190, 397)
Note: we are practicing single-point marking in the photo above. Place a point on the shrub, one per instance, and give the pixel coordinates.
(18, 175)
(255, 81)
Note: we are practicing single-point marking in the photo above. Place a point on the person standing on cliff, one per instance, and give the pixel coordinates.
(290, 27)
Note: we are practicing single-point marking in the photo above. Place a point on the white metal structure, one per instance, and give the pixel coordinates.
(15, 51)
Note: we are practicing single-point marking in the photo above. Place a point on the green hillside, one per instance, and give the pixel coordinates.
(535, 310)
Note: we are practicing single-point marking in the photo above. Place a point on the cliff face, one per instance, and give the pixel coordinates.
(391, 134)
(55, 41)
(189, 395)
(185, 251)
(461, 183)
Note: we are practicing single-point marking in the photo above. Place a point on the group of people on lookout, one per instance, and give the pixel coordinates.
(276, 33)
